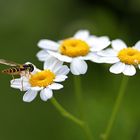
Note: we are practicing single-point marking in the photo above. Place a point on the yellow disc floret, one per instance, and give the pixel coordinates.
(74, 48)
(42, 79)
(129, 56)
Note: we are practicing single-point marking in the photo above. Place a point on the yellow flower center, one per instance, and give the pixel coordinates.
(74, 48)
(42, 79)
(129, 56)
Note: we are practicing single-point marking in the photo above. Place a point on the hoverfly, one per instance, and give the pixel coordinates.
(16, 69)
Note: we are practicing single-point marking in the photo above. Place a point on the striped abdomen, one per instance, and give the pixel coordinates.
(14, 70)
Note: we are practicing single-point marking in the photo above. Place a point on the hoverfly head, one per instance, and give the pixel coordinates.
(30, 67)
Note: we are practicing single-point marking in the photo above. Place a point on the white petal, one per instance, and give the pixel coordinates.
(52, 63)
(97, 59)
(42, 55)
(36, 88)
(92, 56)
(137, 45)
(108, 52)
(55, 86)
(117, 68)
(139, 66)
(17, 87)
(89, 56)
(118, 44)
(46, 94)
(110, 60)
(99, 43)
(129, 70)
(48, 44)
(82, 34)
(60, 78)
(16, 81)
(64, 70)
(20, 83)
(90, 40)
(78, 66)
(29, 95)
(104, 38)
(62, 58)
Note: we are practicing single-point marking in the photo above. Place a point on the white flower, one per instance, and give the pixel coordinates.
(44, 81)
(75, 50)
(124, 59)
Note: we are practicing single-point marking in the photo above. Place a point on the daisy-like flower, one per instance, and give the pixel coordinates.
(44, 81)
(75, 50)
(124, 59)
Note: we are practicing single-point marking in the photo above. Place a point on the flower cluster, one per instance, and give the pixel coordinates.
(124, 59)
(75, 50)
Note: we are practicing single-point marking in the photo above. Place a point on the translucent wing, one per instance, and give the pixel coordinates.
(9, 63)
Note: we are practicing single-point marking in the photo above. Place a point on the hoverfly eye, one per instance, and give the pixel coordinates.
(31, 67)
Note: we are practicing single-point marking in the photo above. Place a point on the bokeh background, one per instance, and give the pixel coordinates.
(22, 24)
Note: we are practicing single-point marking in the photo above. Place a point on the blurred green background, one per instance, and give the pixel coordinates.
(22, 24)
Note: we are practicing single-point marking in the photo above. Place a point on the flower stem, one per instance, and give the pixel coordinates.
(65, 113)
(74, 119)
(78, 93)
(121, 92)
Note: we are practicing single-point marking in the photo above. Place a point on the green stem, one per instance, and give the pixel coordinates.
(65, 113)
(88, 132)
(78, 93)
(116, 108)
(69, 116)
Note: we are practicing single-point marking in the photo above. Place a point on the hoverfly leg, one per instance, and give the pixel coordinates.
(13, 79)
(22, 84)
(27, 72)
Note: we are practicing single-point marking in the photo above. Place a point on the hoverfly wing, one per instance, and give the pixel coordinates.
(9, 63)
